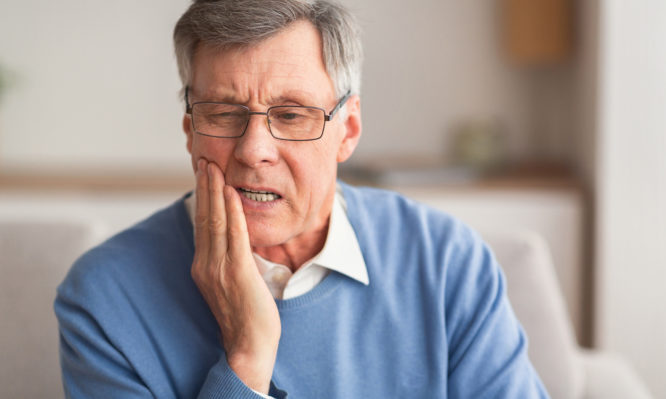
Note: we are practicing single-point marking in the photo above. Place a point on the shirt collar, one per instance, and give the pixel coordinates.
(341, 251)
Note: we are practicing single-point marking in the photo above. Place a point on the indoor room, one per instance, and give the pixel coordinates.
(540, 124)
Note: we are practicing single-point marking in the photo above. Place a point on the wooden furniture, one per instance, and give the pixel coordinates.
(537, 31)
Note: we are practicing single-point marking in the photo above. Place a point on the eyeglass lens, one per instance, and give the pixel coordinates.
(285, 122)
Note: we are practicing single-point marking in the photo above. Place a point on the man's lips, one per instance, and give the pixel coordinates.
(259, 194)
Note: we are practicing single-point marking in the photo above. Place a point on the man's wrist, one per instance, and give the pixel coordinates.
(255, 372)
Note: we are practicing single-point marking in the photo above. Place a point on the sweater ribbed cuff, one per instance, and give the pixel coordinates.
(222, 382)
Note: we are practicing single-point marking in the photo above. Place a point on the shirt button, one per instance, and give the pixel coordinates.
(280, 276)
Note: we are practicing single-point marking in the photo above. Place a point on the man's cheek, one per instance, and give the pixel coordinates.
(213, 152)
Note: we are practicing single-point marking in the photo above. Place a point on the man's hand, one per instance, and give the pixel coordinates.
(225, 272)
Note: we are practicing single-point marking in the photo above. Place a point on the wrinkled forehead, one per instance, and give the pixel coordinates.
(290, 60)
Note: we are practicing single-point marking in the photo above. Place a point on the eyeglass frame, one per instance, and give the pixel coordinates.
(327, 117)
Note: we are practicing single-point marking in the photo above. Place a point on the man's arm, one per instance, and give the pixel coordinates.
(225, 273)
(487, 346)
(227, 277)
(92, 366)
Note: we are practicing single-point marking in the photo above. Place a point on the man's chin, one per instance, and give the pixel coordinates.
(263, 238)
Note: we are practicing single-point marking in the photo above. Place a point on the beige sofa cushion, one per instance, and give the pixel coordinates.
(34, 258)
(600, 368)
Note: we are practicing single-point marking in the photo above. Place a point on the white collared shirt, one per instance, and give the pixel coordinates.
(341, 253)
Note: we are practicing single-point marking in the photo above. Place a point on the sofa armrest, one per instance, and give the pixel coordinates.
(608, 376)
(538, 303)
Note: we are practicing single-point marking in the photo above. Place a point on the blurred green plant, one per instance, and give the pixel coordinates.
(5, 80)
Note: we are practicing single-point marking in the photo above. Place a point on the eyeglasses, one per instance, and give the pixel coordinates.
(285, 122)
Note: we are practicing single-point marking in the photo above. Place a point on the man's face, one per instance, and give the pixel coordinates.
(286, 69)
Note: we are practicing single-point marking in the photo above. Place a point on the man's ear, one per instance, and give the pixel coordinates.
(187, 128)
(352, 125)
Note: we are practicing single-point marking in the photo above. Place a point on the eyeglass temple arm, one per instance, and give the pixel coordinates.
(188, 108)
(339, 105)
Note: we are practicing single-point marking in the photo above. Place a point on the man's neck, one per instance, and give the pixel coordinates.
(300, 249)
(297, 251)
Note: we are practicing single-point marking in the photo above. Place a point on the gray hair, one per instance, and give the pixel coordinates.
(241, 23)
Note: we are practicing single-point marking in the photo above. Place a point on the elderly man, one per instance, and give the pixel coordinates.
(272, 277)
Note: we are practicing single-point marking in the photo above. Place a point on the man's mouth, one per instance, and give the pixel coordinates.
(259, 196)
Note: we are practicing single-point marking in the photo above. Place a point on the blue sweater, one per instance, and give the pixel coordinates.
(434, 322)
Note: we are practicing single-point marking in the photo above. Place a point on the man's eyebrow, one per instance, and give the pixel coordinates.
(296, 96)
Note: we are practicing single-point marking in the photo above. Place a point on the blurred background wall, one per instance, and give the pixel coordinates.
(90, 94)
(631, 185)
(95, 83)
(92, 86)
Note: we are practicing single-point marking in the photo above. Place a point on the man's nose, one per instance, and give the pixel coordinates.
(257, 147)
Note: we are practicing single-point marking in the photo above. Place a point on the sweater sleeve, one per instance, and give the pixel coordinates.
(93, 367)
(487, 345)
(95, 363)
(222, 382)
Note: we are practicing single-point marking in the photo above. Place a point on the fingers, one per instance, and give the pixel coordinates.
(217, 223)
(201, 235)
(239, 239)
(220, 224)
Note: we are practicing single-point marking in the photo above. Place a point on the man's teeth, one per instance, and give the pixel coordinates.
(260, 196)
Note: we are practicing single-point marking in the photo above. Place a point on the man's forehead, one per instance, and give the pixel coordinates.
(271, 80)
(286, 67)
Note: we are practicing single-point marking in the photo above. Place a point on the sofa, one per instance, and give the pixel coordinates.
(36, 254)
(567, 370)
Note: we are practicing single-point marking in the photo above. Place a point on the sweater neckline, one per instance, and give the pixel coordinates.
(322, 290)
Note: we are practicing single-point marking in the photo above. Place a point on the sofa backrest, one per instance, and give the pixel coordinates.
(34, 258)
